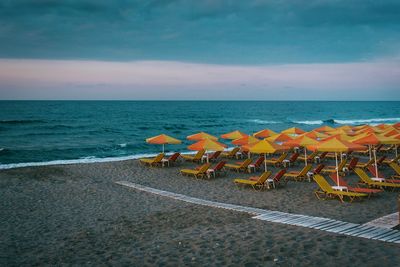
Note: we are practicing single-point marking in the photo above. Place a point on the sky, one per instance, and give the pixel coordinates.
(210, 49)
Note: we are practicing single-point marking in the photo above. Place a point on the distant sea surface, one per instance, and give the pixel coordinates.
(50, 132)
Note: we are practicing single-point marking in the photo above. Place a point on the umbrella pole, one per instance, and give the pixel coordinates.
(369, 148)
(337, 170)
(265, 162)
(395, 149)
(305, 156)
(341, 156)
(207, 156)
(162, 148)
(376, 165)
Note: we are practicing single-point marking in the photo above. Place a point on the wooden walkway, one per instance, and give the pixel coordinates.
(319, 223)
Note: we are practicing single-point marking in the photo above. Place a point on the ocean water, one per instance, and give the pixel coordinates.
(49, 132)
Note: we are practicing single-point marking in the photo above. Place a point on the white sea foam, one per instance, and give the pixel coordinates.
(368, 121)
(122, 145)
(310, 122)
(264, 122)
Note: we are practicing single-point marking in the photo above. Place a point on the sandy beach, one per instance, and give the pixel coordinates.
(77, 215)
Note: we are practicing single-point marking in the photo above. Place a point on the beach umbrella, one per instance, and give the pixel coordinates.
(163, 139)
(245, 140)
(397, 125)
(324, 128)
(302, 141)
(315, 135)
(346, 128)
(293, 131)
(264, 133)
(391, 132)
(201, 136)
(233, 135)
(264, 147)
(337, 146)
(382, 126)
(207, 145)
(279, 138)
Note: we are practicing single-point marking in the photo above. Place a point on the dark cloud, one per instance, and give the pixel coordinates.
(217, 31)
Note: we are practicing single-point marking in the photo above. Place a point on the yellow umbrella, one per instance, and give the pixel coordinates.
(163, 139)
(337, 146)
(201, 136)
(245, 140)
(264, 147)
(346, 128)
(324, 128)
(279, 138)
(233, 135)
(315, 135)
(264, 133)
(207, 144)
(293, 131)
(302, 141)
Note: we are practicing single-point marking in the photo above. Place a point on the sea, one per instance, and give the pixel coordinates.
(35, 133)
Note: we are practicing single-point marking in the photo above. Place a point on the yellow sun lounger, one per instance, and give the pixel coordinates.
(301, 175)
(242, 167)
(258, 184)
(230, 154)
(195, 158)
(393, 160)
(197, 173)
(396, 168)
(332, 169)
(371, 183)
(326, 191)
(277, 161)
(365, 165)
(154, 161)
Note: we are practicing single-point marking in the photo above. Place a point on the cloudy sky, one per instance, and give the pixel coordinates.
(210, 49)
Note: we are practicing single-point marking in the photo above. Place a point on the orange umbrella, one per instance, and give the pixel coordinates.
(397, 125)
(201, 136)
(279, 138)
(245, 140)
(264, 147)
(302, 141)
(337, 146)
(163, 139)
(324, 128)
(392, 132)
(264, 133)
(233, 135)
(293, 131)
(315, 135)
(207, 144)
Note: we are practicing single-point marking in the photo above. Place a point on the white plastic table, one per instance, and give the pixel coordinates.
(377, 179)
(340, 188)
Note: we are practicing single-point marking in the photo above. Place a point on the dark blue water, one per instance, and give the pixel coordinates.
(42, 131)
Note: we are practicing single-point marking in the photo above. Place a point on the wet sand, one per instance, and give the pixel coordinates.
(77, 215)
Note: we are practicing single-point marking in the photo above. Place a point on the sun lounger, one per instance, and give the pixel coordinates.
(326, 191)
(310, 158)
(258, 184)
(241, 167)
(396, 168)
(256, 165)
(171, 160)
(196, 158)
(217, 170)
(372, 170)
(332, 169)
(277, 161)
(357, 189)
(364, 165)
(371, 183)
(230, 154)
(292, 159)
(202, 172)
(318, 169)
(276, 180)
(154, 161)
(350, 167)
(393, 160)
(214, 156)
(299, 175)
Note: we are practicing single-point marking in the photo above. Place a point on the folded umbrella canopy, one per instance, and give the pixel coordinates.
(163, 139)
(207, 145)
(233, 135)
(201, 136)
(264, 147)
(337, 146)
(302, 141)
(264, 133)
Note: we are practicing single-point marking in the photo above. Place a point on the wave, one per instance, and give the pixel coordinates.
(264, 122)
(368, 121)
(122, 145)
(13, 122)
(309, 122)
(84, 160)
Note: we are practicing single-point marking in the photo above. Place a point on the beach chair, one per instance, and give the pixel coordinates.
(277, 180)
(214, 156)
(258, 184)
(240, 167)
(292, 159)
(310, 157)
(357, 189)
(218, 169)
(257, 165)
(277, 161)
(230, 154)
(326, 191)
(196, 158)
(318, 169)
(321, 157)
(364, 165)
(202, 172)
(386, 149)
(332, 169)
(364, 178)
(350, 167)
(396, 168)
(393, 160)
(154, 161)
(379, 161)
(372, 170)
(172, 159)
(299, 175)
